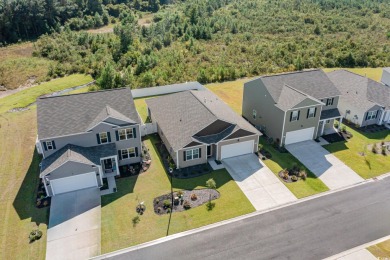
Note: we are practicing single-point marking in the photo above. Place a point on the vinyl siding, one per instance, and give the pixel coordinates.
(372, 121)
(335, 103)
(201, 160)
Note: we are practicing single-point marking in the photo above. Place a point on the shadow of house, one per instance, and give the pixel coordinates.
(124, 186)
(336, 147)
(25, 200)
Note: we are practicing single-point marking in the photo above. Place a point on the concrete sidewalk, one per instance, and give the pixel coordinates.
(327, 167)
(259, 184)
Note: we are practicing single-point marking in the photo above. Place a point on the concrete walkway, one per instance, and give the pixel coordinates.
(74, 225)
(333, 172)
(363, 254)
(259, 184)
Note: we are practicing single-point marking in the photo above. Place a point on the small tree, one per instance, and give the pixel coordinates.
(211, 184)
(136, 220)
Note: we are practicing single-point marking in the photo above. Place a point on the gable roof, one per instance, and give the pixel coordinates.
(313, 83)
(75, 153)
(360, 91)
(182, 115)
(72, 114)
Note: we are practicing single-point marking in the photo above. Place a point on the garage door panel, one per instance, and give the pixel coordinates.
(76, 182)
(241, 148)
(299, 135)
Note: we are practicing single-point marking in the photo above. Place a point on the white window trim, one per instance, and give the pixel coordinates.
(192, 153)
(312, 114)
(100, 136)
(294, 118)
(127, 130)
(49, 144)
(371, 115)
(128, 153)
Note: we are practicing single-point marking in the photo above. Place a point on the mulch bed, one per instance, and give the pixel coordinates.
(338, 137)
(202, 197)
(290, 175)
(264, 154)
(379, 148)
(137, 168)
(42, 200)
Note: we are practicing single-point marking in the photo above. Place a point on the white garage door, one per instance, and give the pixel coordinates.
(299, 135)
(77, 182)
(231, 150)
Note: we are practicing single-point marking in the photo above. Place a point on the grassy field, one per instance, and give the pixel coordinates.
(279, 161)
(381, 250)
(17, 65)
(367, 166)
(28, 96)
(118, 209)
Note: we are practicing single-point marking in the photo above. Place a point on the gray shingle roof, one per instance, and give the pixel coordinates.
(290, 97)
(74, 153)
(359, 91)
(330, 113)
(72, 114)
(313, 83)
(182, 115)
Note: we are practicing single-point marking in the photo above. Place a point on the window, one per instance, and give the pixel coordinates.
(192, 154)
(294, 115)
(371, 115)
(329, 101)
(254, 114)
(49, 145)
(125, 133)
(103, 137)
(128, 153)
(311, 112)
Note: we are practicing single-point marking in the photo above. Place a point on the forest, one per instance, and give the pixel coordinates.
(204, 40)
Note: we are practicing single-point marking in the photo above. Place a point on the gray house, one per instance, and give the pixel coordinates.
(363, 101)
(197, 125)
(292, 107)
(85, 137)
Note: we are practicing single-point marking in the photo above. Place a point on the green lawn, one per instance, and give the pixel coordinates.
(118, 209)
(279, 161)
(142, 108)
(367, 166)
(28, 96)
(381, 250)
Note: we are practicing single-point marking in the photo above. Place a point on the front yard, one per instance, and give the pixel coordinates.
(119, 209)
(351, 153)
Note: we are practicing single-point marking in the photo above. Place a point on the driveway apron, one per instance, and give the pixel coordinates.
(259, 184)
(333, 172)
(74, 225)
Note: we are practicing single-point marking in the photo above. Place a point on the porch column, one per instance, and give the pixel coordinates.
(341, 120)
(381, 119)
(117, 165)
(323, 127)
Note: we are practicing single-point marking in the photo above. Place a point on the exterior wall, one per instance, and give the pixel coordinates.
(269, 117)
(372, 121)
(307, 102)
(355, 115)
(89, 139)
(303, 122)
(386, 77)
(201, 160)
(236, 140)
(335, 103)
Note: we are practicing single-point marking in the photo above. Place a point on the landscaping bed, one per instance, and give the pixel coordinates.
(183, 200)
(380, 148)
(42, 200)
(292, 174)
(137, 168)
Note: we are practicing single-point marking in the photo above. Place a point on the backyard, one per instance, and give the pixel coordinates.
(119, 209)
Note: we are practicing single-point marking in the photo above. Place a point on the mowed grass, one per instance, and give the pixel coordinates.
(279, 161)
(17, 65)
(372, 73)
(28, 96)
(381, 250)
(367, 166)
(118, 209)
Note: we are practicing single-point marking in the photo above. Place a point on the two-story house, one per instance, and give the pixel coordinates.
(292, 107)
(85, 137)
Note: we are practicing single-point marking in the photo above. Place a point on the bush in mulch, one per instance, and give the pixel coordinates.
(264, 153)
(183, 200)
(35, 235)
(42, 200)
(293, 174)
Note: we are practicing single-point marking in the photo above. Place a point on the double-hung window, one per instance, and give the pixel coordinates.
(103, 137)
(128, 153)
(294, 115)
(329, 101)
(49, 145)
(192, 154)
(125, 133)
(311, 112)
(371, 115)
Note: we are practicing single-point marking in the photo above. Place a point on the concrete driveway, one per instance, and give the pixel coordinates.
(74, 225)
(333, 172)
(259, 184)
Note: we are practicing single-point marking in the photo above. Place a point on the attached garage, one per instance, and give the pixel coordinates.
(299, 136)
(240, 148)
(76, 182)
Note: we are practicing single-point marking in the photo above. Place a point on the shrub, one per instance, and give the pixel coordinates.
(186, 205)
(157, 201)
(168, 210)
(193, 196)
(344, 128)
(159, 209)
(294, 178)
(285, 174)
(35, 235)
(45, 203)
(260, 146)
(384, 150)
(167, 203)
(374, 149)
(136, 220)
(211, 184)
(38, 202)
(302, 174)
(210, 205)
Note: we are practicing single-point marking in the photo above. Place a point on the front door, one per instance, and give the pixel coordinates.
(209, 151)
(108, 164)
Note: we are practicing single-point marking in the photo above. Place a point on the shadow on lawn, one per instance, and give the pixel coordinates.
(24, 202)
(336, 147)
(124, 187)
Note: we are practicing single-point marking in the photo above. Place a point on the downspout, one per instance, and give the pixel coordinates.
(284, 122)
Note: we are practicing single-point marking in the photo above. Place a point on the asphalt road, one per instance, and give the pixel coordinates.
(314, 229)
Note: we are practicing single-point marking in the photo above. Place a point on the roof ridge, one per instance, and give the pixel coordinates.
(290, 72)
(200, 101)
(89, 92)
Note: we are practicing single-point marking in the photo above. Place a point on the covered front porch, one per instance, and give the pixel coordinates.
(327, 122)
